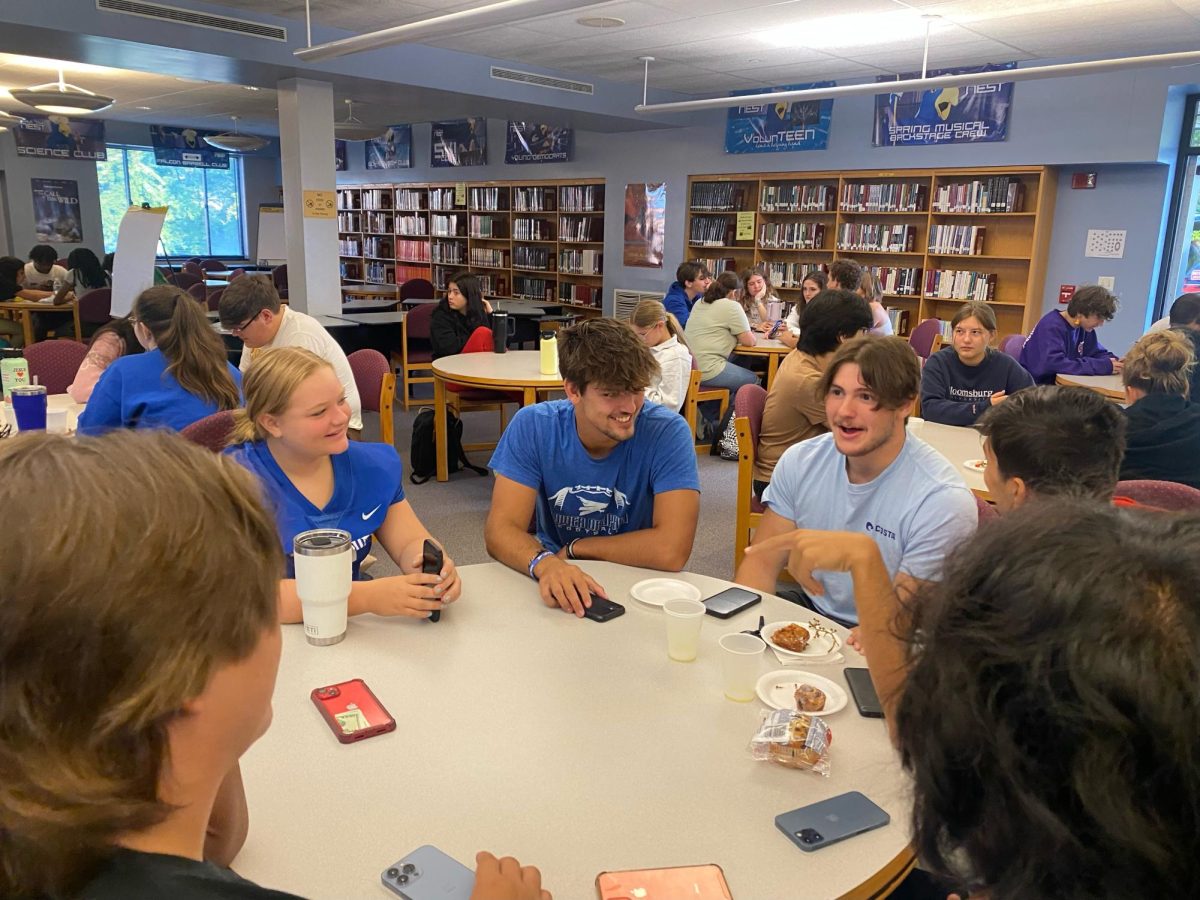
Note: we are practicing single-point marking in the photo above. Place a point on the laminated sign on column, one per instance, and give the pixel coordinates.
(320, 205)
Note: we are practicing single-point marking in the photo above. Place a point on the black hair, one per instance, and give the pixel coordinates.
(845, 273)
(1186, 309)
(832, 314)
(9, 267)
(43, 254)
(84, 262)
(468, 285)
(688, 271)
(108, 262)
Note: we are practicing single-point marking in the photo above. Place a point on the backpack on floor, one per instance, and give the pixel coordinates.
(422, 454)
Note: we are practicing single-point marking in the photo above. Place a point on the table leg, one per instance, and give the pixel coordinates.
(530, 397)
(27, 325)
(440, 438)
(772, 368)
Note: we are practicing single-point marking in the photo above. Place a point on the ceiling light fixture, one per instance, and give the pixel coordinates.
(235, 142)
(601, 22)
(249, 87)
(62, 98)
(8, 121)
(354, 129)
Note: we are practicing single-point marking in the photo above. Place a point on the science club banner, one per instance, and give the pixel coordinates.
(779, 127)
(58, 137)
(186, 147)
(971, 114)
(529, 142)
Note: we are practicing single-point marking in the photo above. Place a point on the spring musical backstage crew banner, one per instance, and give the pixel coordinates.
(971, 114)
(186, 147)
(58, 137)
(529, 142)
(779, 127)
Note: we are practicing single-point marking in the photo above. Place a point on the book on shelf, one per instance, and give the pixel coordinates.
(711, 231)
(581, 262)
(492, 285)
(380, 273)
(581, 198)
(889, 196)
(958, 240)
(378, 222)
(533, 230)
(404, 273)
(716, 264)
(409, 198)
(791, 274)
(379, 248)
(994, 194)
(902, 281)
(348, 200)
(533, 258)
(489, 258)
(377, 198)
(791, 235)
(349, 221)
(491, 199)
(798, 198)
(351, 270)
(876, 237)
(899, 320)
(951, 284)
(349, 247)
(414, 251)
(532, 288)
(489, 227)
(582, 294)
(533, 199)
(412, 225)
(580, 228)
(446, 225)
(450, 252)
(721, 195)
(441, 198)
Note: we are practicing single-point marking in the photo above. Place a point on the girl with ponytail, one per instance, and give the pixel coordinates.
(1162, 441)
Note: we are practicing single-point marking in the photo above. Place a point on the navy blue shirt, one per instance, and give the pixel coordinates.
(955, 394)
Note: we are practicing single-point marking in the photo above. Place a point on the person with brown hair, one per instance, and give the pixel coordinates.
(1162, 438)
(1064, 342)
(756, 293)
(845, 274)
(292, 435)
(870, 288)
(662, 333)
(111, 341)
(691, 281)
(868, 476)
(813, 283)
(182, 377)
(609, 476)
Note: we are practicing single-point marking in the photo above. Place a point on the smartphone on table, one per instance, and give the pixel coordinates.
(352, 711)
(863, 690)
(431, 564)
(821, 824)
(692, 882)
(731, 601)
(602, 610)
(429, 874)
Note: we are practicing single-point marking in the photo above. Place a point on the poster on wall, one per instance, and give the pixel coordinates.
(186, 147)
(56, 211)
(393, 150)
(339, 156)
(971, 114)
(645, 224)
(530, 142)
(58, 137)
(779, 127)
(462, 142)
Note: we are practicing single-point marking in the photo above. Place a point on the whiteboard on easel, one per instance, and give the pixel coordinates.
(133, 264)
(272, 239)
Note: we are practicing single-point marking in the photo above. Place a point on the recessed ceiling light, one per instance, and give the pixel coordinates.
(601, 22)
(141, 107)
(845, 32)
(249, 87)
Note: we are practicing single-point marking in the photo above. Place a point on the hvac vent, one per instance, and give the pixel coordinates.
(625, 301)
(546, 81)
(162, 13)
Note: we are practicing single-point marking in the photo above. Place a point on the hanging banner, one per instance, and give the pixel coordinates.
(462, 142)
(645, 224)
(56, 211)
(779, 127)
(393, 150)
(528, 142)
(339, 156)
(58, 137)
(137, 246)
(186, 147)
(971, 114)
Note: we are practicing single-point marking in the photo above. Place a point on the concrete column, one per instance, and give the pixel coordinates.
(306, 149)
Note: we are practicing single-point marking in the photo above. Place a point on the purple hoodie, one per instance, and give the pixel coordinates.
(1055, 348)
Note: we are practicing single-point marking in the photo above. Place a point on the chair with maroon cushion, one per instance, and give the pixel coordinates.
(236, 273)
(199, 291)
(416, 289)
(465, 398)
(986, 511)
(194, 259)
(1160, 494)
(61, 262)
(214, 299)
(748, 406)
(279, 277)
(376, 383)
(416, 351)
(193, 268)
(55, 363)
(185, 280)
(212, 431)
(921, 339)
(95, 309)
(1012, 345)
(214, 265)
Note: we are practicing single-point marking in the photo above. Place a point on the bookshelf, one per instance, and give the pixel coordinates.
(536, 240)
(935, 237)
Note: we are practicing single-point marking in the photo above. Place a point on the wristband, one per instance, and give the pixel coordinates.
(571, 548)
(537, 559)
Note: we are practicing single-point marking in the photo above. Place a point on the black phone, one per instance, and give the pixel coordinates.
(731, 601)
(602, 610)
(431, 564)
(863, 690)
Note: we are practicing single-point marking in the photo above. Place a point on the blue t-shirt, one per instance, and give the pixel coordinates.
(917, 510)
(578, 496)
(138, 392)
(367, 480)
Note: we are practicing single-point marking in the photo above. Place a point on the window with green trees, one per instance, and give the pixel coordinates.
(205, 217)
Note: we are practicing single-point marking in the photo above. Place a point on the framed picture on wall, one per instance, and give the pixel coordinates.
(56, 211)
(645, 224)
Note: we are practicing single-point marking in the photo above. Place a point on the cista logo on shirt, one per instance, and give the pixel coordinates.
(880, 530)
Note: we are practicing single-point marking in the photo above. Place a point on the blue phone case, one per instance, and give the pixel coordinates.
(821, 824)
(429, 874)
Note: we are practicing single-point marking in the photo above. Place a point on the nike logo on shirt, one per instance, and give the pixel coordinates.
(368, 515)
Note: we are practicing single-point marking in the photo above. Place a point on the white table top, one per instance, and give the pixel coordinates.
(54, 401)
(764, 344)
(1110, 386)
(958, 444)
(516, 368)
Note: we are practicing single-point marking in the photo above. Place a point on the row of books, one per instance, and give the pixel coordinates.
(414, 225)
(447, 252)
(711, 231)
(447, 226)
(879, 238)
(414, 251)
(899, 320)
(902, 281)
(580, 228)
(350, 270)
(949, 284)
(492, 259)
(379, 248)
(410, 198)
(376, 198)
(715, 264)
(491, 285)
(405, 273)
(380, 273)
(533, 230)
(892, 196)
(378, 222)
(348, 200)
(791, 275)
(442, 198)
(583, 294)
(349, 247)
(791, 235)
(581, 262)
(997, 194)
(534, 288)
(718, 195)
(489, 198)
(488, 227)
(581, 198)
(533, 199)
(798, 198)
(964, 240)
(349, 221)
(532, 258)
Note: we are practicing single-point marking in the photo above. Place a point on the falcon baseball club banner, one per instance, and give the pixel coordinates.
(58, 137)
(779, 127)
(529, 142)
(971, 114)
(186, 147)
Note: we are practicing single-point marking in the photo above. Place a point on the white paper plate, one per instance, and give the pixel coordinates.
(657, 591)
(819, 645)
(975, 465)
(777, 689)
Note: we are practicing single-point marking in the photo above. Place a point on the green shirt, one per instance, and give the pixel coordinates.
(712, 331)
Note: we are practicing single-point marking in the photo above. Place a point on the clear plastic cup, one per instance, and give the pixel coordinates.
(684, 617)
(741, 658)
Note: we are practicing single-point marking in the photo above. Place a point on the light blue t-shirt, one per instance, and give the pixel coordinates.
(579, 496)
(917, 510)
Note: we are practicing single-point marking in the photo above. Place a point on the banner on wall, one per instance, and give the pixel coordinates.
(530, 142)
(56, 216)
(393, 150)
(59, 137)
(462, 142)
(339, 156)
(186, 147)
(645, 224)
(971, 114)
(779, 127)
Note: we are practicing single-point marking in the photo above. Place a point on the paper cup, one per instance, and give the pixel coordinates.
(684, 618)
(56, 421)
(741, 656)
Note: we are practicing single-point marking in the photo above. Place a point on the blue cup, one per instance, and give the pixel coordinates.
(29, 405)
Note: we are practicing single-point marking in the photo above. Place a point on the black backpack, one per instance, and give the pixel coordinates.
(422, 455)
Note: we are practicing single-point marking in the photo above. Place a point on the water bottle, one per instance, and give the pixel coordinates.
(13, 372)
(549, 353)
(324, 560)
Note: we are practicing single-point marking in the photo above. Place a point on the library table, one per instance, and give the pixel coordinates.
(576, 746)
(370, 304)
(372, 291)
(772, 349)
(1109, 386)
(54, 401)
(24, 310)
(958, 443)
(516, 370)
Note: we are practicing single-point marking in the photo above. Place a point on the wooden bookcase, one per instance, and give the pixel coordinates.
(536, 240)
(910, 226)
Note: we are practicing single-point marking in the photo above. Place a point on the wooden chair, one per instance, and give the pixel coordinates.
(937, 344)
(748, 408)
(700, 396)
(376, 383)
(416, 353)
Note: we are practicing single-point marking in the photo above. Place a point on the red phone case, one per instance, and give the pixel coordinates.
(701, 882)
(352, 711)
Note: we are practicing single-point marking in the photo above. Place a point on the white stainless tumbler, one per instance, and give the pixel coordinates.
(324, 566)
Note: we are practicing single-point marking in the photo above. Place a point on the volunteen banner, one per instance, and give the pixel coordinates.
(778, 127)
(185, 147)
(56, 211)
(58, 137)
(393, 150)
(971, 114)
(529, 142)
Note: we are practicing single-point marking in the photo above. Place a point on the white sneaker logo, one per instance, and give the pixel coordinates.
(368, 515)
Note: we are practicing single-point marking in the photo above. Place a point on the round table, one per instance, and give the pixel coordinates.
(772, 349)
(576, 746)
(1109, 386)
(514, 370)
(54, 401)
(958, 443)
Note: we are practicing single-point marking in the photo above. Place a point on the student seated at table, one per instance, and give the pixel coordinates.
(871, 290)
(756, 293)
(1162, 440)
(292, 435)
(250, 309)
(661, 332)
(182, 377)
(157, 645)
(42, 272)
(717, 326)
(1042, 698)
(110, 342)
(960, 382)
(1065, 343)
(457, 316)
(1185, 318)
(868, 476)
(609, 476)
(795, 408)
(84, 274)
(12, 278)
(814, 282)
(1051, 441)
(691, 281)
